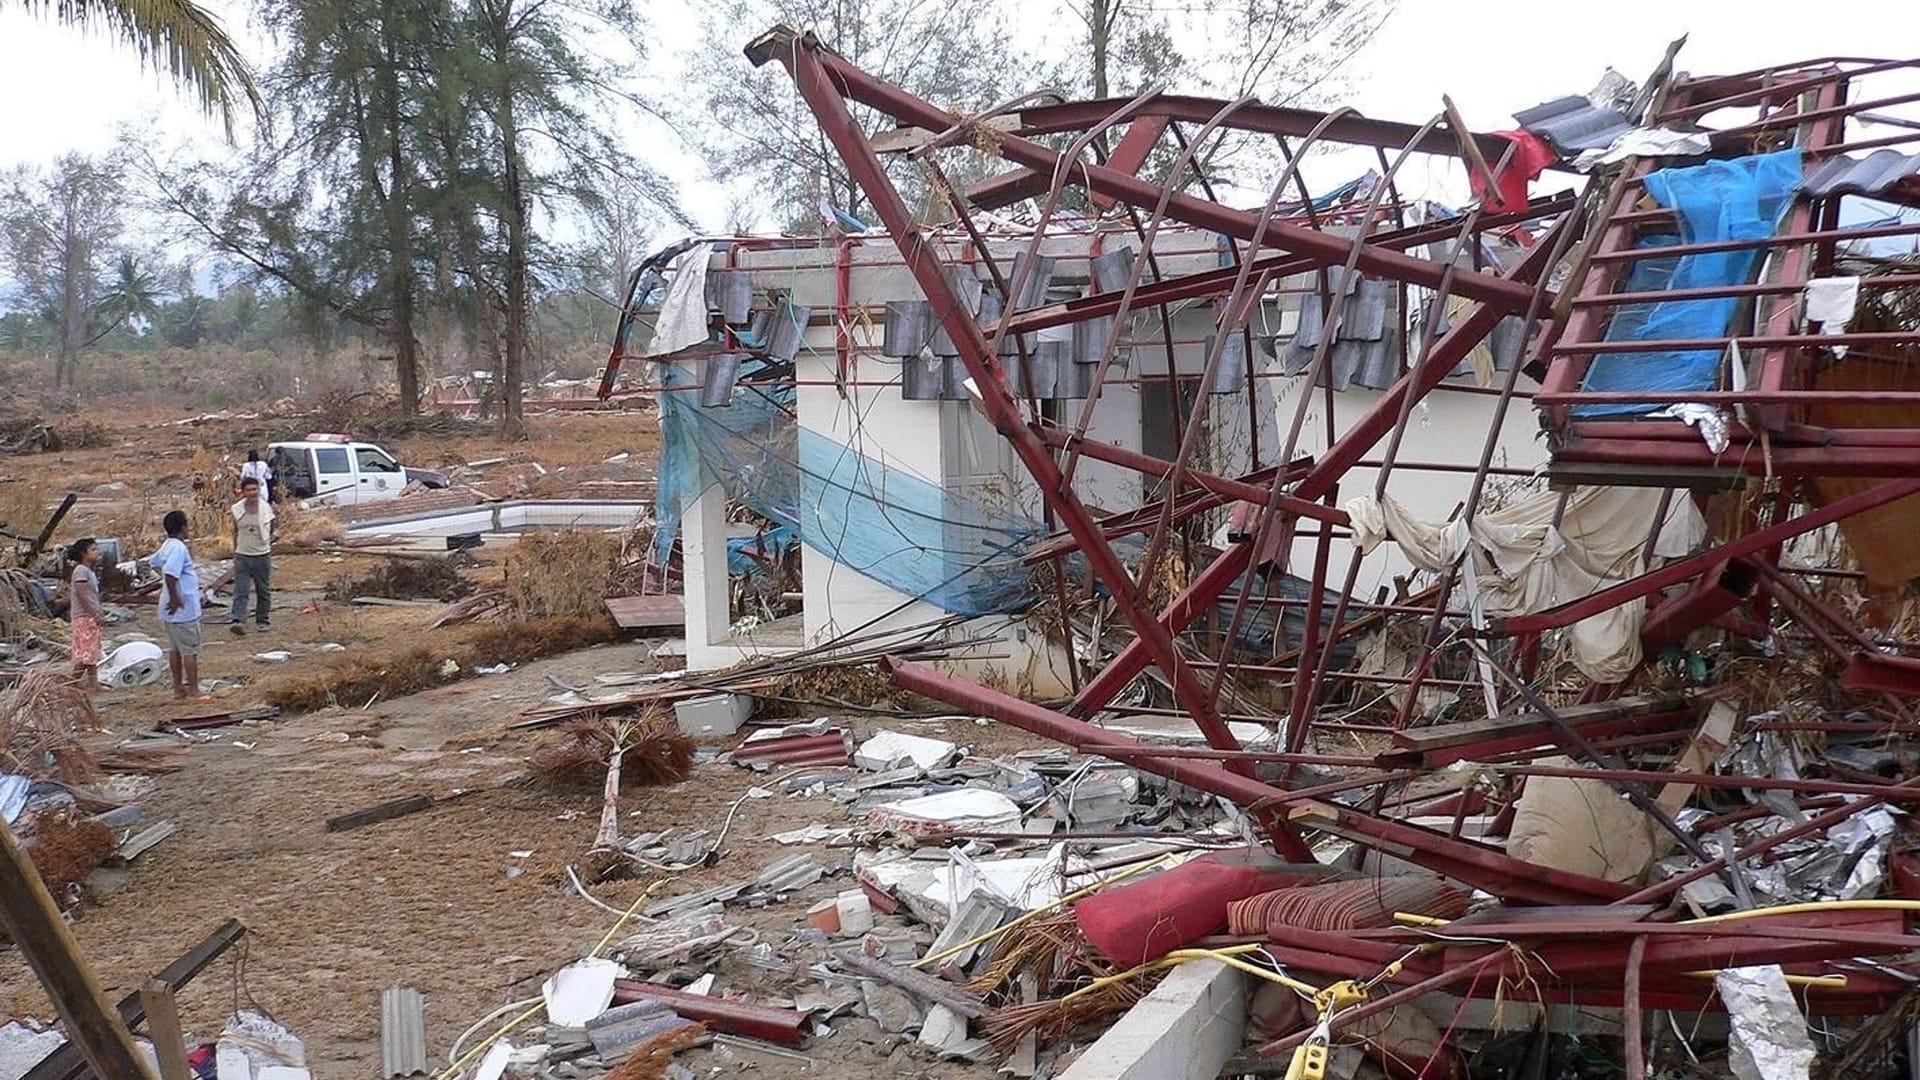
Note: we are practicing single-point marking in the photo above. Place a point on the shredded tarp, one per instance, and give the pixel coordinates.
(910, 534)
(683, 319)
(1527, 563)
(1738, 199)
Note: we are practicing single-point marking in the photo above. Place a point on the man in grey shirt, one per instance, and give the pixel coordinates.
(252, 555)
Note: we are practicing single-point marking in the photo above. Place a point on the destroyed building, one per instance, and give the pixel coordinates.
(1545, 555)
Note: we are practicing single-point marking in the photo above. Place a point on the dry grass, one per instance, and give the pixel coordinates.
(403, 579)
(295, 529)
(849, 686)
(561, 573)
(41, 720)
(24, 506)
(82, 435)
(357, 680)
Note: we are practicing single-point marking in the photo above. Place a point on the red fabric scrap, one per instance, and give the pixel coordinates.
(1530, 157)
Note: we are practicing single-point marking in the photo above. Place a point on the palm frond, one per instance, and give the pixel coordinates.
(178, 36)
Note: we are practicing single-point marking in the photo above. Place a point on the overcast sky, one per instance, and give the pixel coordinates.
(70, 91)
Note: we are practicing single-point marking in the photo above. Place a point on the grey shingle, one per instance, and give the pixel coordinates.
(1573, 124)
(1874, 174)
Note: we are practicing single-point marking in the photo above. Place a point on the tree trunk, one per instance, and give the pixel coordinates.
(1099, 31)
(512, 424)
(406, 358)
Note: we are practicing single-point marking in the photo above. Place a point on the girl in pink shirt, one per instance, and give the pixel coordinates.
(83, 608)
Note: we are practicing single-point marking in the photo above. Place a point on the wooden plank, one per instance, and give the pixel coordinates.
(163, 1027)
(41, 935)
(1468, 732)
(647, 612)
(386, 811)
(66, 1063)
(918, 983)
(46, 531)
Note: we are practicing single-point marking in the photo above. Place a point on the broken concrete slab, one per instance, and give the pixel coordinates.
(891, 749)
(890, 1007)
(944, 1030)
(947, 812)
(1188, 1026)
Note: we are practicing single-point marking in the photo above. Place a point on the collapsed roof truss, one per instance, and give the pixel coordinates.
(1595, 232)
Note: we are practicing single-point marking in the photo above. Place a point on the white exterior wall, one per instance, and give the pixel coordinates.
(950, 445)
(1447, 426)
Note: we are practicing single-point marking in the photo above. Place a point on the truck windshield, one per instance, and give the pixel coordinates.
(373, 460)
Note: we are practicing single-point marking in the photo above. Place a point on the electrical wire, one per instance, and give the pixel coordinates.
(460, 1061)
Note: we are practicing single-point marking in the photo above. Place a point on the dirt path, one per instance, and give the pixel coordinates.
(436, 900)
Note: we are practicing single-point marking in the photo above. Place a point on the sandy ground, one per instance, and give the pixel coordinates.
(436, 901)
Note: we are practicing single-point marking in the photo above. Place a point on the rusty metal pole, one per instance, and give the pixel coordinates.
(822, 95)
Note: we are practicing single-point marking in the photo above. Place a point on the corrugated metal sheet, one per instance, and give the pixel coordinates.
(1367, 350)
(618, 1030)
(1500, 351)
(827, 748)
(403, 1032)
(1573, 124)
(1875, 174)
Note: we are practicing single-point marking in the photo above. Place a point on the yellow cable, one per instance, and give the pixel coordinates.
(1228, 956)
(1410, 919)
(1834, 982)
(1799, 909)
(934, 958)
(483, 1045)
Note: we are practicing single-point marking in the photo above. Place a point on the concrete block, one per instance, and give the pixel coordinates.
(713, 715)
(889, 748)
(1188, 1026)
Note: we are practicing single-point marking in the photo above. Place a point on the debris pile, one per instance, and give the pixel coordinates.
(1619, 720)
(403, 579)
(35, 435)
(566, 572)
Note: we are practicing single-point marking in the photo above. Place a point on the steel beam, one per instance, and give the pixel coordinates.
(1277, 267)
(1475, 864)
(1129, 154)
(1265, 119)
(1350, 448)
(820, 76)
(844, 82)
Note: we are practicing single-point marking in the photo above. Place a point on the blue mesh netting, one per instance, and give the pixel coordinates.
(907, 533)
(1738, 199)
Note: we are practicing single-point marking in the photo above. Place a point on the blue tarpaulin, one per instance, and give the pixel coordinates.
(914, 536)
(1738, 199)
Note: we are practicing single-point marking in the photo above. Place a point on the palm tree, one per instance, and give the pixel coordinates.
(134, 294)
(176, 35)
(186, 321)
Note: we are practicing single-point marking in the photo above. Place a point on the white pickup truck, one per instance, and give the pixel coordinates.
(334, 467)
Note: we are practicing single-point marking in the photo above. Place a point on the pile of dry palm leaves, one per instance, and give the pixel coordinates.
(1048, 981)
(561, 573)
(652, 751)
(41, 723)
(403, 579)
(631, 751)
